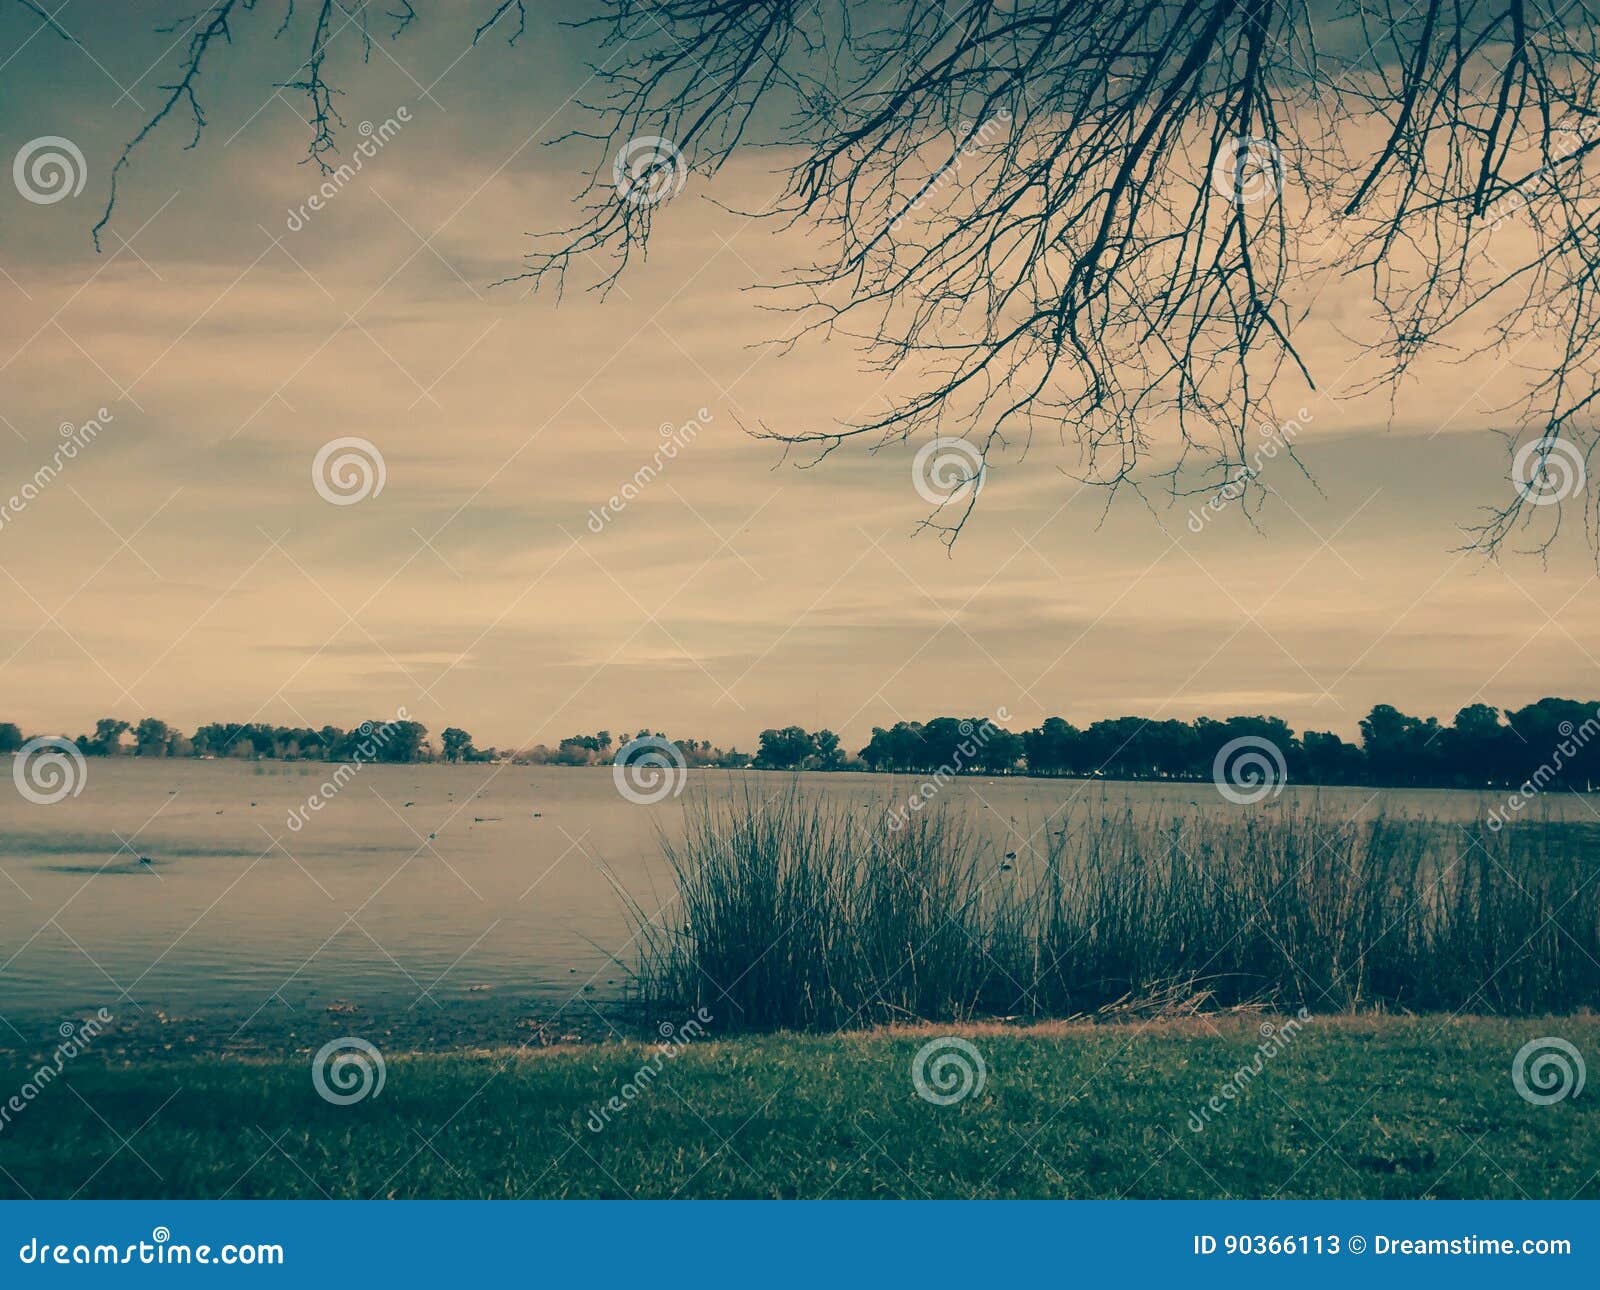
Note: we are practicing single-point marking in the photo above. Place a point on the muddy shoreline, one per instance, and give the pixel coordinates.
(277, 1029)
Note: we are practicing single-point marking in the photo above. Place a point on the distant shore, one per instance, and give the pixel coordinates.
(1020, 773)
(1548, 744)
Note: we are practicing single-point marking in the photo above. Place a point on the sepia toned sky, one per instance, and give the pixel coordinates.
(185, 566)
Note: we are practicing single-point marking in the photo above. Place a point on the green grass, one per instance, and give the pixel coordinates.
(1351, 1108)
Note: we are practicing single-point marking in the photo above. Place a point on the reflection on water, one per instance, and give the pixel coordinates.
(178, 884)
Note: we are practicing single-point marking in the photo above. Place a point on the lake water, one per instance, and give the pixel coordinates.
(238, 912)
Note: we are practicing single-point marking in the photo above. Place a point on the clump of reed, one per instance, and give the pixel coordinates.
(800, 911)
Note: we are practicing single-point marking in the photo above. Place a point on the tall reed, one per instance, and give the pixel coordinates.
(804, 912)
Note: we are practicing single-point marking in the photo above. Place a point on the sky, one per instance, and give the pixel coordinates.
(185, 564)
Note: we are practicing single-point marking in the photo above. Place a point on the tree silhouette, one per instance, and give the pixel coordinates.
(152, 736)
(1100, 223)
(785, 749)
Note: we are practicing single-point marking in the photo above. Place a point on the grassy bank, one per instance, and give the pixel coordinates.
(795, 912)
(1349, 1108)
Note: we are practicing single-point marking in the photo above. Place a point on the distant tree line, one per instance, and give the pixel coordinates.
(601, 748)
(1552, 740)
(392, 740)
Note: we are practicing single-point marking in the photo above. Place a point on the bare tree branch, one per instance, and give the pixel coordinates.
(1101, 222)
